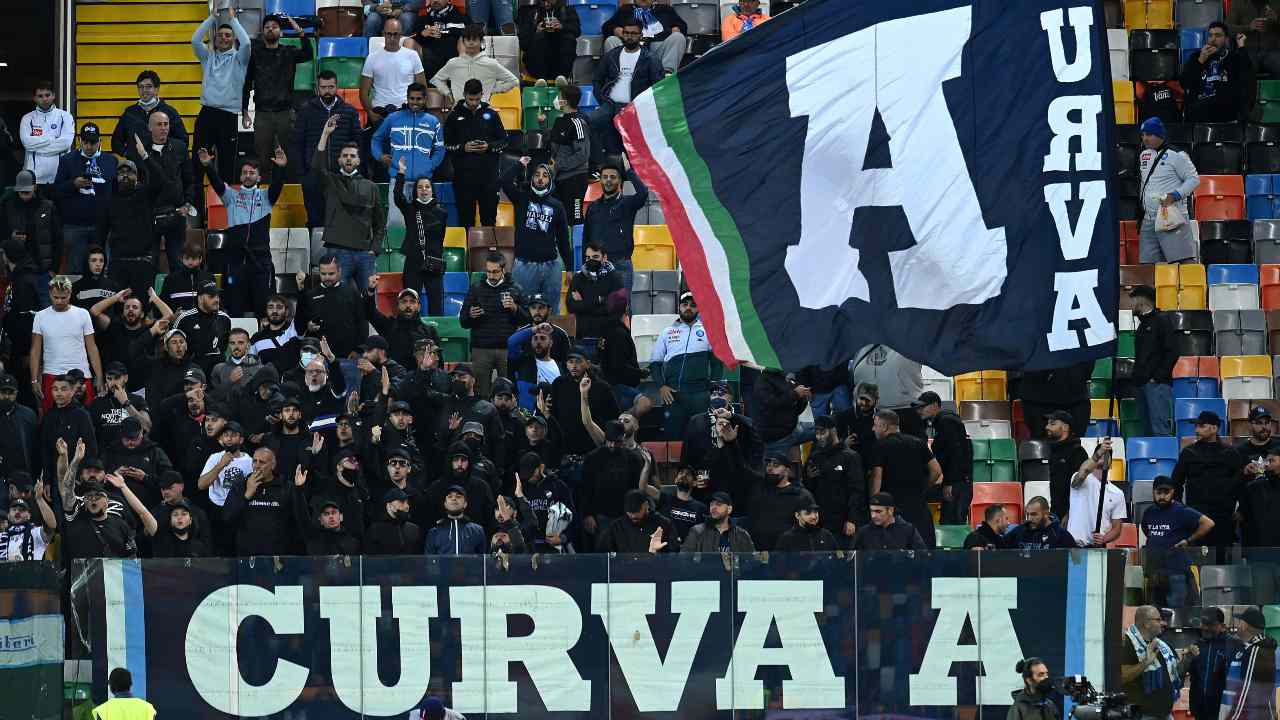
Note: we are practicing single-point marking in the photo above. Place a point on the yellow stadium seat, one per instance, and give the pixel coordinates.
(113, 108)
(455, 237)
(1245, 366)
(1246, 377)
(1126, 112)
(291, 194)
(288, 215)
(110, 54)
(1193, 287)
(1148, 14)
(653, 257)
(126, 93)
(1103, 409)
(129, 12)
(506, 214)
(982, 385)
(1167, 287)
(506, 100)
(125, 73)
(510, 117)
(137, 33)
(653, 235)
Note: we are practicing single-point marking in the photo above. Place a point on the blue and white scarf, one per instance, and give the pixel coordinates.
(1154, 678)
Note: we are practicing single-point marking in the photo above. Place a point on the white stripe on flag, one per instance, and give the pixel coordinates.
(717, 261)
(1095, 612)
(114, 605)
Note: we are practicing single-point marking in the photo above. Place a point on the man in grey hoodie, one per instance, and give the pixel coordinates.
(1167, 178)
(222, 67)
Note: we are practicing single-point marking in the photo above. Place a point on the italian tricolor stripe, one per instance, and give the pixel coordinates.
(711, 251)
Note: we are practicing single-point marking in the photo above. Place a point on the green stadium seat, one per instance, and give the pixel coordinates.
(159, 283)
(1268, 107)
(304, 75)
(455, 259)
(395, 237)
(347, 69)
(389, 262)
(995, 460)
(1100, 381)
(455, 340)
(951, 537)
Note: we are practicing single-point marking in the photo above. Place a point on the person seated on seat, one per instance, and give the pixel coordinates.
(741, 18)
(662, 30)
(1218, 80)
(548, 31)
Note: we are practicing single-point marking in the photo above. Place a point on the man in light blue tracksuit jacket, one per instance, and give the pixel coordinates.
(250, 271)
(411, 133)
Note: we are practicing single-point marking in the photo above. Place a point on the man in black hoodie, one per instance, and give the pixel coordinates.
(402, 330)
(492, 312)
(776, 501)
(835, 476)
(642, 530)
(172, 494)
(307, 127)
(328, 534)
(543, 247)
(1156, 351)
(990, 534)
(392, 532)
(950, 444)
(94, 286)
(270, 79)
(475, 139)
(178, 535)
(138, 460)
(125, 226)
(808, 534)
(1218, 79)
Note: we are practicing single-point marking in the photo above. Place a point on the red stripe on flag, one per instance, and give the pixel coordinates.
(693, 260)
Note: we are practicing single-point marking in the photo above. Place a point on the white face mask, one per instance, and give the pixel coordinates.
(559, 106)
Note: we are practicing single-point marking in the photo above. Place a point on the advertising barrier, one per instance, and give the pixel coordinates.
(31, 641)
(922, 634)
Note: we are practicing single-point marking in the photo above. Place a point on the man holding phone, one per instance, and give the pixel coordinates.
(475, 138)
(83, 186)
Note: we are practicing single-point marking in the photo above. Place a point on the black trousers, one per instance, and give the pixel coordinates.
(216, 132)
(173, 232)
(570, 192)
(430, 284)
(471, 191)
(136, 273)
(551, 54)
(248, 282)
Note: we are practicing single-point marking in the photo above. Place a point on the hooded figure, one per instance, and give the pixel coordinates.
(542, 249)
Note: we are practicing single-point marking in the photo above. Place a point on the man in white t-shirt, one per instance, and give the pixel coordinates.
(1083, 513)
(62, 340)
(223, 469)
(387, 73)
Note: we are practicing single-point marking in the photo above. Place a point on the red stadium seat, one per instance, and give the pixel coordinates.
(1220, 197)
(1269, 281)
(1008, 494)
(1128, 537)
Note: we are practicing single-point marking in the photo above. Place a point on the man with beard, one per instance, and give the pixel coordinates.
(455, 533)
(322, 393)
(260, 510)
(128, 338)
(397, 433)
(248, 248)
(904, 467)
(775, 502)
(700, 435)
(116, 405)
(1209, 474)
(541, 437)
(543, 246)
(171, 364)
(539, 316)
(233, 374)
(640, 531)
(138, 460)
(1170, 526)
(834, 475)
(608, 473)
(1039, 530)
(949, 441)
(392, 533)
(1259, 505)
(425, 388)
(287, 440)
(206, 326)
(400, 476)
(172, 495)
(253, 406)
(1207, 673)
(542, 490)
(504, 401)
(1253, 449)
(856, 425)
(990, 534)
(683, 367)
(125, 227)
(329, 534)
(222, 472)
(459, 474)
(685, 511)
(405, 328)
(179, 536)
(483, 468)
(23, 539)
(269, 78)
(1065, 457)
(94, 286)
(566, 404)
(808, 534)
(179, 425)
(492, 313)
(718, 533)
(375, 366)
(308, 126)
(66, 420)
(277, 342)
(332, 309)
(92, 532)
(464, 405)
(531, 355)
(1089, 527)
(611, 220)
(887, 531)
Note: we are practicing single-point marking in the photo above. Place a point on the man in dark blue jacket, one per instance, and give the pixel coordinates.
(83, 188)
(136, 119)
(613, 95)
(1208, 671)
(1039, 529)
(455, 534)
(307, 127)
(611, 220)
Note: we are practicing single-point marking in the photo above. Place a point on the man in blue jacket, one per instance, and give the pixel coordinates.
(455, 534)
(1039, 529)
(83, 185)
(411, 133)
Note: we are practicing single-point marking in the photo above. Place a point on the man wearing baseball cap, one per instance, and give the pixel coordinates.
(1210, 473)
(807, 535)
(19, 428)
(1156, 351)
(1253, 449)
(393, 532)
(83, 188)
(1169, 527)
(403, 330)
(887, 531)
(1250, 690)
(1258, 503)
(206, 326)
(1207, 674)
(455, 533)
(949, 441)
(718, 533)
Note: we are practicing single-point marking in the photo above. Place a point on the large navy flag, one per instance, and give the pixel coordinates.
(928, 174)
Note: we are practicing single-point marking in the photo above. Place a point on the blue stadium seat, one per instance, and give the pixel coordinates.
(1185, 411)
(343, 47)
(289, 7)
(444, 192)
(1147, 457)
(1191, 40)
(593, 15)
(588, 101)
(577, 247)
(1262, 196)
(1099, 427)
(456, 285)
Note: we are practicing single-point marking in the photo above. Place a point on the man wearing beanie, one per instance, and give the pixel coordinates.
(1166, 178)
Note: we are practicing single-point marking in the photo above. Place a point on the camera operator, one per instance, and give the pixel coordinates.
(1033, 701)
(1250, 690)
(1208, 672)
(1150, 671)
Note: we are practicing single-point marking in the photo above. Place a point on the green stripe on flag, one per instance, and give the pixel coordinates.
(675, 129)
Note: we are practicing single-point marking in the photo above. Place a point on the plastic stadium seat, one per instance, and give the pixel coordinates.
(1156, 14)
(1226, 584)
(1190, 40)
(1128, 537)
(1133, 275)
(1261, 201)
(1219, 157)
(593, 16)
(340, 18)
(1129, 239)
(982, 385)
(1266, 241)
(1233, 287)
(1262, 148)
(655, 292)
(1225, 241)
(995, 461)
(455, 340)
(1148, 457)
(654, 249)
(985, 410)
(1118, 47)
(703, 18)
(389, 287)
(1240, 332)
(989, 429)
(1220, 197)
(1117, 471)
(1269, 285)
(1246, 376)
(589, 46)
(1166, 286)
(1008, 494)
(645, 330)
(1100, 379)
(1196, 376)
(1185, 411)
(951, 537)
(1033, 460)
(1035, 488)
(1126, 111)
(933, 381)
(1195, 331)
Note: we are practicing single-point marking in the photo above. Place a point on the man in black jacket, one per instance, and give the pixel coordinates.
(307, 127)
(176, 197)
(566, 403)
(589, 293)
(270, 80)
(641, 531)
(260, 510)
(126, 225)
(492, 312)
(1157, 353)
(835, 476)
(990, 534)
(1207, 673)
(333, 310)
(887, 531)
(392, 532)
(474, 137)
(608, 473)
(661, 29)
(611, 220)
(548, 32)
(1259, 505)
(1209, 473)
(1065, 457)
(440, 27)
(612, 95)
(138, 460)
(178, 532)
(950, 444)
(808, 534)
(405, 329)
(775, 501)
(329, 534)
(135, 119)
(27, 216)
(1218, 80)
(206, 327)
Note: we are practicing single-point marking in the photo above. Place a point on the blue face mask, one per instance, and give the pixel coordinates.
(307, 357)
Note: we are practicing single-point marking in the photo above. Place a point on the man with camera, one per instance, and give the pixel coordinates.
(1150, 671)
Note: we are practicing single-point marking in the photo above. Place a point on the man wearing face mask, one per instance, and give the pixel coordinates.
(808, 534)
(589, 292)
(835, 476)
(307, 128)
(423, 246)
(322, 392)
(392, 532)
(342, 483)
(1207, 673)
(775, 502)
(125, 229)
(133, 120)
(492, 311)
(543, 247)
(95, 533)
(611, 220)
(571, 152)
(608, 473)
(641, 530)
(1150, 671)
(475, 138)
(1034, 701)
(464, 404)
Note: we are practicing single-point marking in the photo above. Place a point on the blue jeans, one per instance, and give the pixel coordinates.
(802, 434)
(625, 270)
(42, 288)
(831, 403)
(355, 264)
(479, 11)
(78, 239)
(1155, 403)
(373, 23)
(540, 277)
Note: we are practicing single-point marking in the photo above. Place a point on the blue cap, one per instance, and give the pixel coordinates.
(1153, 126)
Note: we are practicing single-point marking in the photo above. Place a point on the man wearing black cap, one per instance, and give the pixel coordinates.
(125, 227)
(24, 539)
(405, 329)
(1157, 352)
(807, 535)
(460, 471)
(464, 404)
(286, 438)
(178, 535)
(224, 471)
(455, 534)
(566, 403)
(172, 494)
(27, 215)
(83, 188)
(1250, 690)
(138, 460)
(253, 405)
(269, 78)
(886, 531)
(1169, 527)
(1207, 674)
(117, 404)
(701, 434)
(775, 502)
(392, 532)
(93, 532)
(1209, 473)
(834, 475)
(904, 466)
(608, 473)
(327, 533)
(685, 511)
(343, 482)
(947, 438)
(640, 531)
(1260, 506)
(373, 361)
(1253, 449)
(19, 429)
(1066, 455)
(718, 533)
(206, 326)
(506, 404)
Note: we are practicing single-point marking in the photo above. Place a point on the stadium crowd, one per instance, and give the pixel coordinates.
(144, 418)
